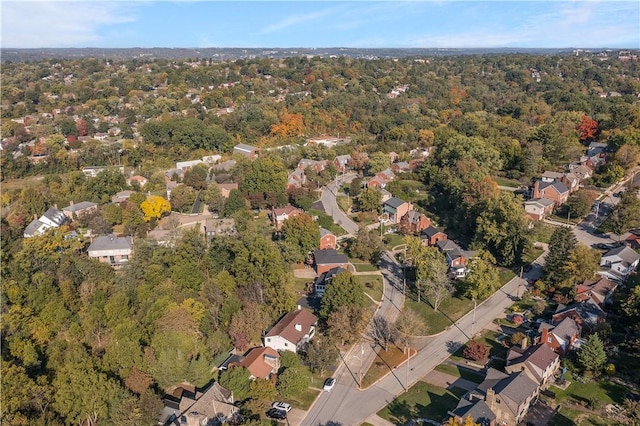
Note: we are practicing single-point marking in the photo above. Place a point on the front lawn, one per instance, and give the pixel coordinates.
(365, 267)
(372, 285)
(423, 400)
(303, 401)
(451, 310)
(459, 371)
(326, 222)
(604, 391)
(488, 338)
(507, 182)
(344, 203)
(572, 417)
(505, 275)
(393, 240)
(383, 364)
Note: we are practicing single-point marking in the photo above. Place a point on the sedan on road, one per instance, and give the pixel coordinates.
(329, 384)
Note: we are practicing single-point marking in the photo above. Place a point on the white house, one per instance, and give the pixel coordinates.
(111, 249)
(52, 218)
(619, 263)
(293, 332)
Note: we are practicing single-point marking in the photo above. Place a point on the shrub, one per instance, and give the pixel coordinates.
(476, 351)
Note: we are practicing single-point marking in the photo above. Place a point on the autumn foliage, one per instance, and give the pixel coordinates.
(476, 351)
(291, 125)
(587, 128)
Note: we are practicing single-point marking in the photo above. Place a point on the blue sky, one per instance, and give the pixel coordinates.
(373, 24)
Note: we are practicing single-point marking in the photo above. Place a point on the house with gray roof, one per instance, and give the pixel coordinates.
(619, 263)
(52, 218)
(539, 361)
(562, 337)
(247, 150)
(327, 259)
(457, 257)
(111, 249)
(79, 209)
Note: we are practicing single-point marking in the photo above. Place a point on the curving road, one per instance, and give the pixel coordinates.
(328, 199)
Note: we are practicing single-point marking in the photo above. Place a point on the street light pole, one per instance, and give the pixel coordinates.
(473, 324)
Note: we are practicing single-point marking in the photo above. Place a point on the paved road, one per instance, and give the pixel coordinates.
(346, 405)
(357, 361)
(328, 199)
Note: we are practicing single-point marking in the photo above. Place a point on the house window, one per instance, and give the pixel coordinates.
(112, 259)
(268, 339)
(286, 345)
(548, 339)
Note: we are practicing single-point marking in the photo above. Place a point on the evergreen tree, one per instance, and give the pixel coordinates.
(561, 244)
(592, 355)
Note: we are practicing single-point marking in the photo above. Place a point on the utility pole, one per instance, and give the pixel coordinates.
(473, 324)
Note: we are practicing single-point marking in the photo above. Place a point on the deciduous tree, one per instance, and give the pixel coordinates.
(154, 207)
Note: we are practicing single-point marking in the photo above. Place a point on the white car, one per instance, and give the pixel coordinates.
(329, 384)
(281, 406)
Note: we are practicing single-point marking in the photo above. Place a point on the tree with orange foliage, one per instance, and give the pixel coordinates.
(587, 128)
(291, 125)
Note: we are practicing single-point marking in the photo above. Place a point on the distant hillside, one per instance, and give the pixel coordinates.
(221, 54)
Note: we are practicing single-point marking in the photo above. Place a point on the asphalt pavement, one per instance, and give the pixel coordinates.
(331, 207)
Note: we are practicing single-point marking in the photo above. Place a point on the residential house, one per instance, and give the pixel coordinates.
(633, 240)
(247, 150)
(540, 362)
(561, 337)
(327, 239)
(395, 208)
(121, 197)
(185, 165)
(101, 136)
(341, 162)
(293, 332)
(318, 166)
(501, 399)
(431, 235)
(279, 215)
(570, 180)
(586, 314)
(79, 209)
(225, 188)
(554, 191)
(296, 179)
(141, 181)
(173, 175)
(386, 195)
(415, 164)
(261, 362)
(380, 180)
(52, 218)
(324, 279)
(400, 167)
(93, 171)
(457, 257)
(328, 141)
(619, 263)
(538, 208)
(214, 227)
(225, 166)
(414, 222)
(186, 405)
(581, 172)
(325, 260)
(111, 249)
(600, 291)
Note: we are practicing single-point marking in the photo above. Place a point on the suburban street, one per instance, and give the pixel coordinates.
(328, 199)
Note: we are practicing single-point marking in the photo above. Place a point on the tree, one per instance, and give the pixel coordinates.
(196, 177)
(303, 232)
(355, 187)
(579, 203)
(182, 198)
(236, 379)
(626, 214)
(154, 207)
(247, 325)
(265, 180)
(517, 338)
(561, 244)
(382, 332)
(293, 381)
(343, 323)
(367, 245)
(358, 160)
(321, 355)
(212, 197)
(591, 354)
(483, 278)
(476, 351)
(581, 265)
(587, 128)
(234, 203)
(378, 161)
(408, 324)
(113, 213)
(370, 200)
(345, 290)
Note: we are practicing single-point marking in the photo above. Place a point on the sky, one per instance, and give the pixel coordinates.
(290, 24)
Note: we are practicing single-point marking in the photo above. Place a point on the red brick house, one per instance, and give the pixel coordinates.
(554, 191)
(561, 337)
(431, 235)
(600, 291)
(261, 362)
(586, 314)
(278, 216)
(414, 222)
(327, 239)
(396, 208)
(325, 260)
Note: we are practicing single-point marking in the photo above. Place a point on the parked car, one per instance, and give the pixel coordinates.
(329, 384)
(274, 413)
(278, 405)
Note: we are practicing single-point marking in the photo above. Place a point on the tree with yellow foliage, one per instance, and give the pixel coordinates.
(154, 207)
(454, 421)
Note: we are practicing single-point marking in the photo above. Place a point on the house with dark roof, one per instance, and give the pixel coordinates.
(325, 260)
(261, 362)
(431, 236)
(538, 208)
(540, 362)
(293, 332)
(414, 222)
(619, 263)
(111, 249)
(324, 279)
(247, 150)
(633, 240)
(586, 314)
(561, 337)
(327, 239)
(52, 218)
(341, 162)
(187, 405)
(500, 399)
(554, 191)
(457, 257)
(79, 209)
(599, 291)
(395, 208)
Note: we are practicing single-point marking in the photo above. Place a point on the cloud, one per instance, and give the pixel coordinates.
(298, 19)
(30, 24)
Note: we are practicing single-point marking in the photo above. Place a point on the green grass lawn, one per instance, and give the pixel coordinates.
(572, 417)
(507, 182)
(542, 232)
(604, 391)
(304, 400)
(326, 222)
(393, 240)
(458, 371)
(421, 401)
(372, 285)
(489, 338)
(365, 267)
(531, 254)
(505, 276)
(450, 311)
(344, 203)
(383, 364)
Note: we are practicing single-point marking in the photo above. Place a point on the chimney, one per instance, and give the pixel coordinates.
(55, 206)
(524, 343)
(490, 398)
(544, 336)
(536, 189)
(298, 327)
(35, 216)
(299, 307)
(71, 202)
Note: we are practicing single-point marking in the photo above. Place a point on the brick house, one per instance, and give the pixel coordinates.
(431, 235)
(324, 279)
(540, 361)
(554, 191)
(586, 314)
(561, 337)
(261, 362)
(327, 239)
(278, 216)
(538, 208)
(325, 260)
(600, 291)
(395, 208)
(110, 249)
(414, 222)
(79, 209)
